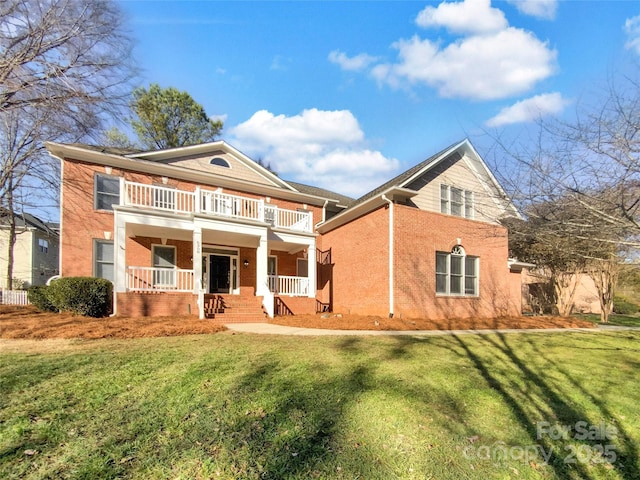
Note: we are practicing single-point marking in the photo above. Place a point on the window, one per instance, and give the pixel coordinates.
(220, 162)
(103, 259)
(107, 192)
(455, 201)
(302, 267)
(456, 273)
(43, 245)
(164, 260)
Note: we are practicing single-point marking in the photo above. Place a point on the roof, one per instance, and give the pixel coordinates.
(108, 150)
(401, 179)
(26, 220)
(398, 188)
(321, 192)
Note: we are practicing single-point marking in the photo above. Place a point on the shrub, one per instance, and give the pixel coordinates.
(39, 297)
(87, 296)
(624, 307)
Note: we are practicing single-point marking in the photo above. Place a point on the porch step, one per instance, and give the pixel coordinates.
(233, 308)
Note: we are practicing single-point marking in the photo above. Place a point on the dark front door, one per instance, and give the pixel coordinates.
(219, 273)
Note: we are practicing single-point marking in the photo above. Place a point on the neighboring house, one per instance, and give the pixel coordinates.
(208, 231)
(538, 296)
(35, 253)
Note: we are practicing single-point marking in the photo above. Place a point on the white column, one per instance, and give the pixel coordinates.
(119, 258)
(262, 254)
(197, 268)
(311, 268)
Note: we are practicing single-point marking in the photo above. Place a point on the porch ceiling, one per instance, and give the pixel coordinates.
(211, 237)
(139, 230)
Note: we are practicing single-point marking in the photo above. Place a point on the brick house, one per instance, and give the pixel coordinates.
(205, 230)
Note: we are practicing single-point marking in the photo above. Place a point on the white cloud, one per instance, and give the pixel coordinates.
(280, 62)
(545, 9)
(322, 148)
(490, 60)
(529, 109)
(632, 29)
(469, 16)
(358, 62)
(483, 67)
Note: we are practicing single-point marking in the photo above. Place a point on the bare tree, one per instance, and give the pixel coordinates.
(589, 168)
(64, 69)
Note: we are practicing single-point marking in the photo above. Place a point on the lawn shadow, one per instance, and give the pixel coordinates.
(556, 411)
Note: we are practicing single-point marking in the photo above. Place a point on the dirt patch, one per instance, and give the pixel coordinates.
(28, 323)
(361, 322)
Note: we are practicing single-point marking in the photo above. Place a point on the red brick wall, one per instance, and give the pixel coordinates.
(418, 235)
(359, 253)
(151, 304)
(81, 223)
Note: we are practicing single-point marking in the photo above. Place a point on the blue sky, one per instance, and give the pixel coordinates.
(345, 95)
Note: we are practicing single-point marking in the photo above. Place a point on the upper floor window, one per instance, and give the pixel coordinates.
(107, 192)
(457, 273)
(220, 162)
(455, 201)
(43, 245)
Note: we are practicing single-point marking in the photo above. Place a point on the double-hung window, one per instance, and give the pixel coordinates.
(107, 192)
(164, 261)
(456, 201)
(43, 245)
(456, 273)
(103, 259)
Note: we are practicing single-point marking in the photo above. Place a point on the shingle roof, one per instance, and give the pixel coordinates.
(108, 150)
(26, 220)
(321, 192)
(403, 177)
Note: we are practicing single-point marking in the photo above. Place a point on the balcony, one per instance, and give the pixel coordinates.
(215, 204)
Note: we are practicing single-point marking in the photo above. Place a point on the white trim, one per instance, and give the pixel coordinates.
(391, 258)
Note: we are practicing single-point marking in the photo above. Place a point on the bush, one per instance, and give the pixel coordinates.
(624, 307)
(86, 296)
(39, 297)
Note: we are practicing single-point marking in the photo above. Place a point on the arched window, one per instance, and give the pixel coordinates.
(457, 273)
(220, 162)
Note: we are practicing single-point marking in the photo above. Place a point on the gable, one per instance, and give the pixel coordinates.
(236, 169)
(464, 172)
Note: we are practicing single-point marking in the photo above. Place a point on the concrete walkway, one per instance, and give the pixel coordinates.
(271, 329)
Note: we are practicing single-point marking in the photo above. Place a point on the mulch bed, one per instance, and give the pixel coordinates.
(27, 322)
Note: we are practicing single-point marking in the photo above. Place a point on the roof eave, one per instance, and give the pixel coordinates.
(62, 151)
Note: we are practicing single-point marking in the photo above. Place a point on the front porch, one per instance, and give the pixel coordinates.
(192, 259)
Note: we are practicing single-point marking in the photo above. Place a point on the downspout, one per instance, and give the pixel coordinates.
(391, 275)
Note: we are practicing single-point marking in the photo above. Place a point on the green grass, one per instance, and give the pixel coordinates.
(614, 319)
(243, 406)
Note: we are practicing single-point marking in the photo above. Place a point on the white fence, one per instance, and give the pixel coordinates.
(14, 297)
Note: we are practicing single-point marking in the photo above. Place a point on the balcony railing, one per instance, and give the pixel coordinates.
(291, 286)
(208, 202)
(153, 279)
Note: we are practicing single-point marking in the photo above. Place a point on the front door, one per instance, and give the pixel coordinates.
(219, 273)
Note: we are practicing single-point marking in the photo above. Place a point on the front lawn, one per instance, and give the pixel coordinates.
(614, 319)
(247, 406)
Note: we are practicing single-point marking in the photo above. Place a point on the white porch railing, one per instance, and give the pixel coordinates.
(214, 203)
(287, 285)
(151, 279)
(14, 297)
(159, 198)
(289, 219)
